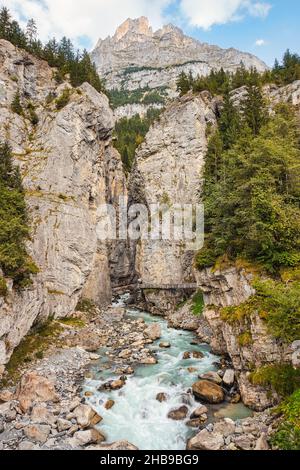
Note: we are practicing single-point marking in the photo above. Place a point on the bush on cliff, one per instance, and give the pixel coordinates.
(277, 303)
(14, 229)
(287, 437)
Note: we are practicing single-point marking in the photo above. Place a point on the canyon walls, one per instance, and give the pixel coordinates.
(69, 170)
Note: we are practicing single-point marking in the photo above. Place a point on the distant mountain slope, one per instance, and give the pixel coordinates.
(137, 57)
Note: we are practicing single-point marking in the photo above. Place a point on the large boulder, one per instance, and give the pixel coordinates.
(212, 377)
(115, 446)
(208, 392)
(206, 441)
(37, 432)
(179, 414)
(34, 388)
(229, 377)
(90, 436)
(225, 427)
(41, 415)
(86, 416)
(153, 331)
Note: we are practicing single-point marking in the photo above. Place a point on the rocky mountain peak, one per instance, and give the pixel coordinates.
(138, 26)
(138, 57)
(169, 29)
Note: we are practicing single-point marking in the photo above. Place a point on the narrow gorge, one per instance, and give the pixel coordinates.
(120, 344)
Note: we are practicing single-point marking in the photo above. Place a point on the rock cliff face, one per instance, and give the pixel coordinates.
(137, 57)
(168, 170)
(232, 287)
(67, 164)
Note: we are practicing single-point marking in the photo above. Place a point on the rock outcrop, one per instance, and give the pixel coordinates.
(232, 287)
(137, 57)
(168, 171)
(67, 163)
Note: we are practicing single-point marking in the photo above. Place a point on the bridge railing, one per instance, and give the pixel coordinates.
(187, 286)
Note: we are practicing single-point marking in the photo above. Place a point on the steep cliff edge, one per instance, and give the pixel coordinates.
(61, 140)
(168, 171)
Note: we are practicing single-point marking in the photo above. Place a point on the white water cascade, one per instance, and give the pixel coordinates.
(137, 416)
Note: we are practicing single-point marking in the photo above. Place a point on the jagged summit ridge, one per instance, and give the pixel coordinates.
(137, 57)
(137, 26)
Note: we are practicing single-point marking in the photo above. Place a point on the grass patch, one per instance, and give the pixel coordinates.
(64, 99)
(3, 287)
(86, 306)
(282, 378)
(245, 339)
(50, 98)
(275, 302)
(75, 322)
(31, 347)
(198, 303)
(55, 292)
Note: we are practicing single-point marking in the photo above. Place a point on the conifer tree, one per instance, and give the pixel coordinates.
(230, 122)
(5, 22)
(254, 110)
(183, 84)
(31, 32)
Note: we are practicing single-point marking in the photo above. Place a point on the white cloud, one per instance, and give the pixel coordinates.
(100, 18)
(91, 18)
(260, 42)
(206, 13)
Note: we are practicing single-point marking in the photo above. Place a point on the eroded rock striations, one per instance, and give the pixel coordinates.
(67, 164)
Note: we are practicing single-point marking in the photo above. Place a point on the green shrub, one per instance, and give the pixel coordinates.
(282, 378)
(198, 303)
(205, 258)
(280, 304)
(86, 306)
(33, 117)
(64, 99)
(3, 287)
(275, 302)
(245, 339)
(287, 436)
(16, 105)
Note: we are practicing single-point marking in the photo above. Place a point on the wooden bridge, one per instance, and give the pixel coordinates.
(189, 286)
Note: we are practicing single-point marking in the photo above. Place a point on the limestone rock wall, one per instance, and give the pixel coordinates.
(65, 161)
(168, 170)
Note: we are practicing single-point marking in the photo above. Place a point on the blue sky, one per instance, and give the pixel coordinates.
(279, 30)
(263, 27)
